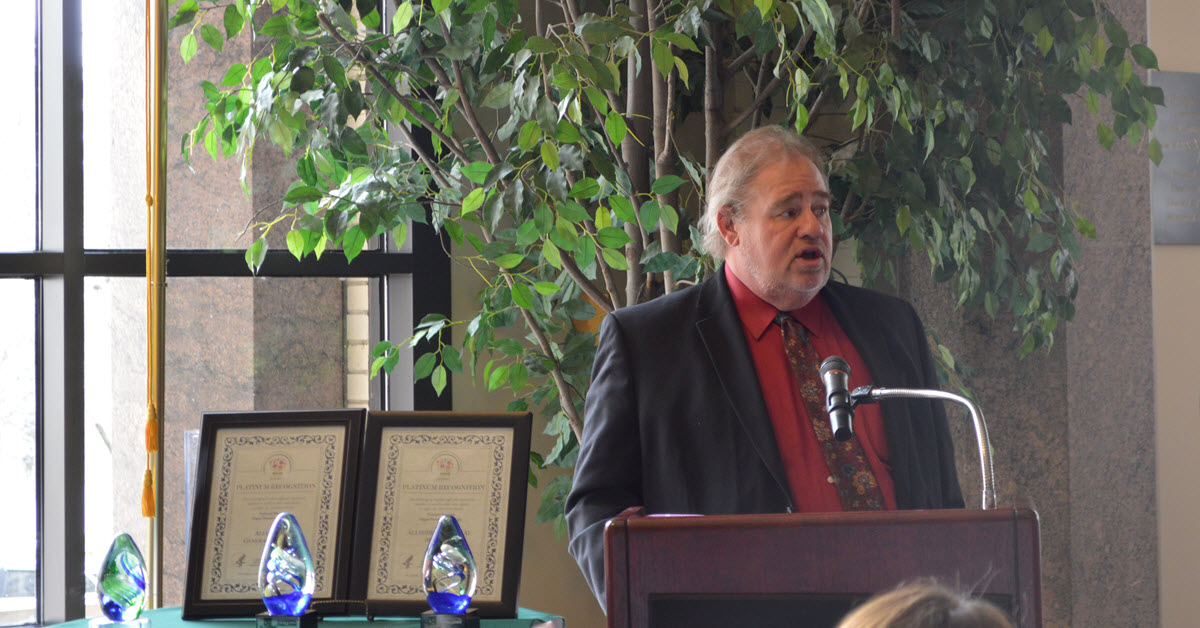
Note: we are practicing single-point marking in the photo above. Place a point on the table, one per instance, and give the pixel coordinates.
(170, 618)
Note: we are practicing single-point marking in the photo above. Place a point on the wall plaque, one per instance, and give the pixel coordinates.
(1175, 183)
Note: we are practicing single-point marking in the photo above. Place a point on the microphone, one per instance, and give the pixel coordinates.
(835, 373)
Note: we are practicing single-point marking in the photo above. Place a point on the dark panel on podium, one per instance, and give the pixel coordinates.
(810, 569)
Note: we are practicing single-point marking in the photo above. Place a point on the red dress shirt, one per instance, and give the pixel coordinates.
(808, 475)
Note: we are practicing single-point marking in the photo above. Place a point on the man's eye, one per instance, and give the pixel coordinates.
(820, 211)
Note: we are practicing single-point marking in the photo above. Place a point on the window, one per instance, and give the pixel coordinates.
(72, 265)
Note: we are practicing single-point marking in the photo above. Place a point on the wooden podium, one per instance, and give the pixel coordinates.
(664, 571)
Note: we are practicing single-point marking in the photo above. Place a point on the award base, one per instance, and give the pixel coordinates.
(431, 619)
(267, 620)
(104, 622)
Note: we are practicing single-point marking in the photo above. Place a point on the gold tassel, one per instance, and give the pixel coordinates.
(152, 429)
(148, 494)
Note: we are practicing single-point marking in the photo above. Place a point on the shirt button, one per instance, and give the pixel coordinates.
(831, 480)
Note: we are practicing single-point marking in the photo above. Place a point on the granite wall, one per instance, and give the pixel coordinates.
(1073, 429)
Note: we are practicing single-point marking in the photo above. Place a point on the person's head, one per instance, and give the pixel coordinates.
(926, 605)
(767, 216)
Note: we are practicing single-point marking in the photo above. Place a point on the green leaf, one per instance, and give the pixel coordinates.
(550, 155)
(295, 243)
(234, 75)
(234, 21)
(664, 61)
(256, 254)
(623, 208)
(666, 184)
(438, 379)
(551, 254)
(546, 287)
(903, 219)
(423, 367)
(185, 13)
(1044, 41)
(1031, 202)
(499, 97)
(517, 376)
(1085, 227)
(529, 135)
(452, 359)
(303, 194)
(498, 377)
(566, 133)
(353, 242)
(187, 47)
(306, 169)
(584, 188)
(614, 259)
(1116, 33)
(399, 235)
(648, 214)
(1154, 150)
(681, 40)
(613, 237)
(403, 16)
(601, 32)
(614, 126)
(473, 201)
(1144, 56)
(1104, 134)
(509, 260)
(335, 71)
(670, 218)
(522, 296)
(212, 37)
(477, 171)
(1040, 242)
(540, 45)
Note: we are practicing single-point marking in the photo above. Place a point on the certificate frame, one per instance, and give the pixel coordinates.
(229, 443)
(387, 528)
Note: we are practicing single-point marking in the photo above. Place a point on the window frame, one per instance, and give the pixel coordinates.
(60, 264)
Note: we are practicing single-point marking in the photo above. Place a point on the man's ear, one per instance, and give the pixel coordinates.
(727, 226)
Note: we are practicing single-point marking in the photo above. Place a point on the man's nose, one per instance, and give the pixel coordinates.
(807, 223)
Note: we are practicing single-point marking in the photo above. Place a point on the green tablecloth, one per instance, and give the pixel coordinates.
(170, 618)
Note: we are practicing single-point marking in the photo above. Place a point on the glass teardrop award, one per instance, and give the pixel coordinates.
(121, 585)
(449, 577)
(286, 576)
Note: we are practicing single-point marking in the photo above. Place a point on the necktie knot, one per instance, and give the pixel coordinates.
(791, 327)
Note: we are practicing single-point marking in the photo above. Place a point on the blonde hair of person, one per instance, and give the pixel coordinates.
(926, 605)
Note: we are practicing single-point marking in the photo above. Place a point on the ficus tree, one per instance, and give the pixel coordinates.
(562, 147)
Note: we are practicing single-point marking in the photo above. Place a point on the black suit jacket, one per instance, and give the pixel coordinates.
(675, 419)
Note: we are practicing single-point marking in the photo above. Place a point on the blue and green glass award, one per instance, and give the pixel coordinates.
(286, 577)
(121, 585)
(449, 577)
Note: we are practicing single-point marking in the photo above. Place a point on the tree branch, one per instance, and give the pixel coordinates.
(773, 86)
(370, 66)
(464, 107)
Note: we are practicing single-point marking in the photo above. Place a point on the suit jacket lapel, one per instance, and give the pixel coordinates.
(720, 330)
(873, 345)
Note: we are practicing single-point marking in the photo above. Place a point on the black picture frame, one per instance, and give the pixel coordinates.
(413, 430)
(238, 429)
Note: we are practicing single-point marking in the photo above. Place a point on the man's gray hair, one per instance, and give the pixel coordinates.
(742, 161)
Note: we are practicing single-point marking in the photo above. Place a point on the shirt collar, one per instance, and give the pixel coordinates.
(758, 316)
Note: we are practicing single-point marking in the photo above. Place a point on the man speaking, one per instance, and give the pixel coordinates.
(708, 400)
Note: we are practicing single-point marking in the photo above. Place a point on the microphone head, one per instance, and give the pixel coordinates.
(834, 363)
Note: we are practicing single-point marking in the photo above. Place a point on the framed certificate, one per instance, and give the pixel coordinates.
(251, 467)
(418, 466)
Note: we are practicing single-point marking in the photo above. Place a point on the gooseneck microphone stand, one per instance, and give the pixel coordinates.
(871, 394)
